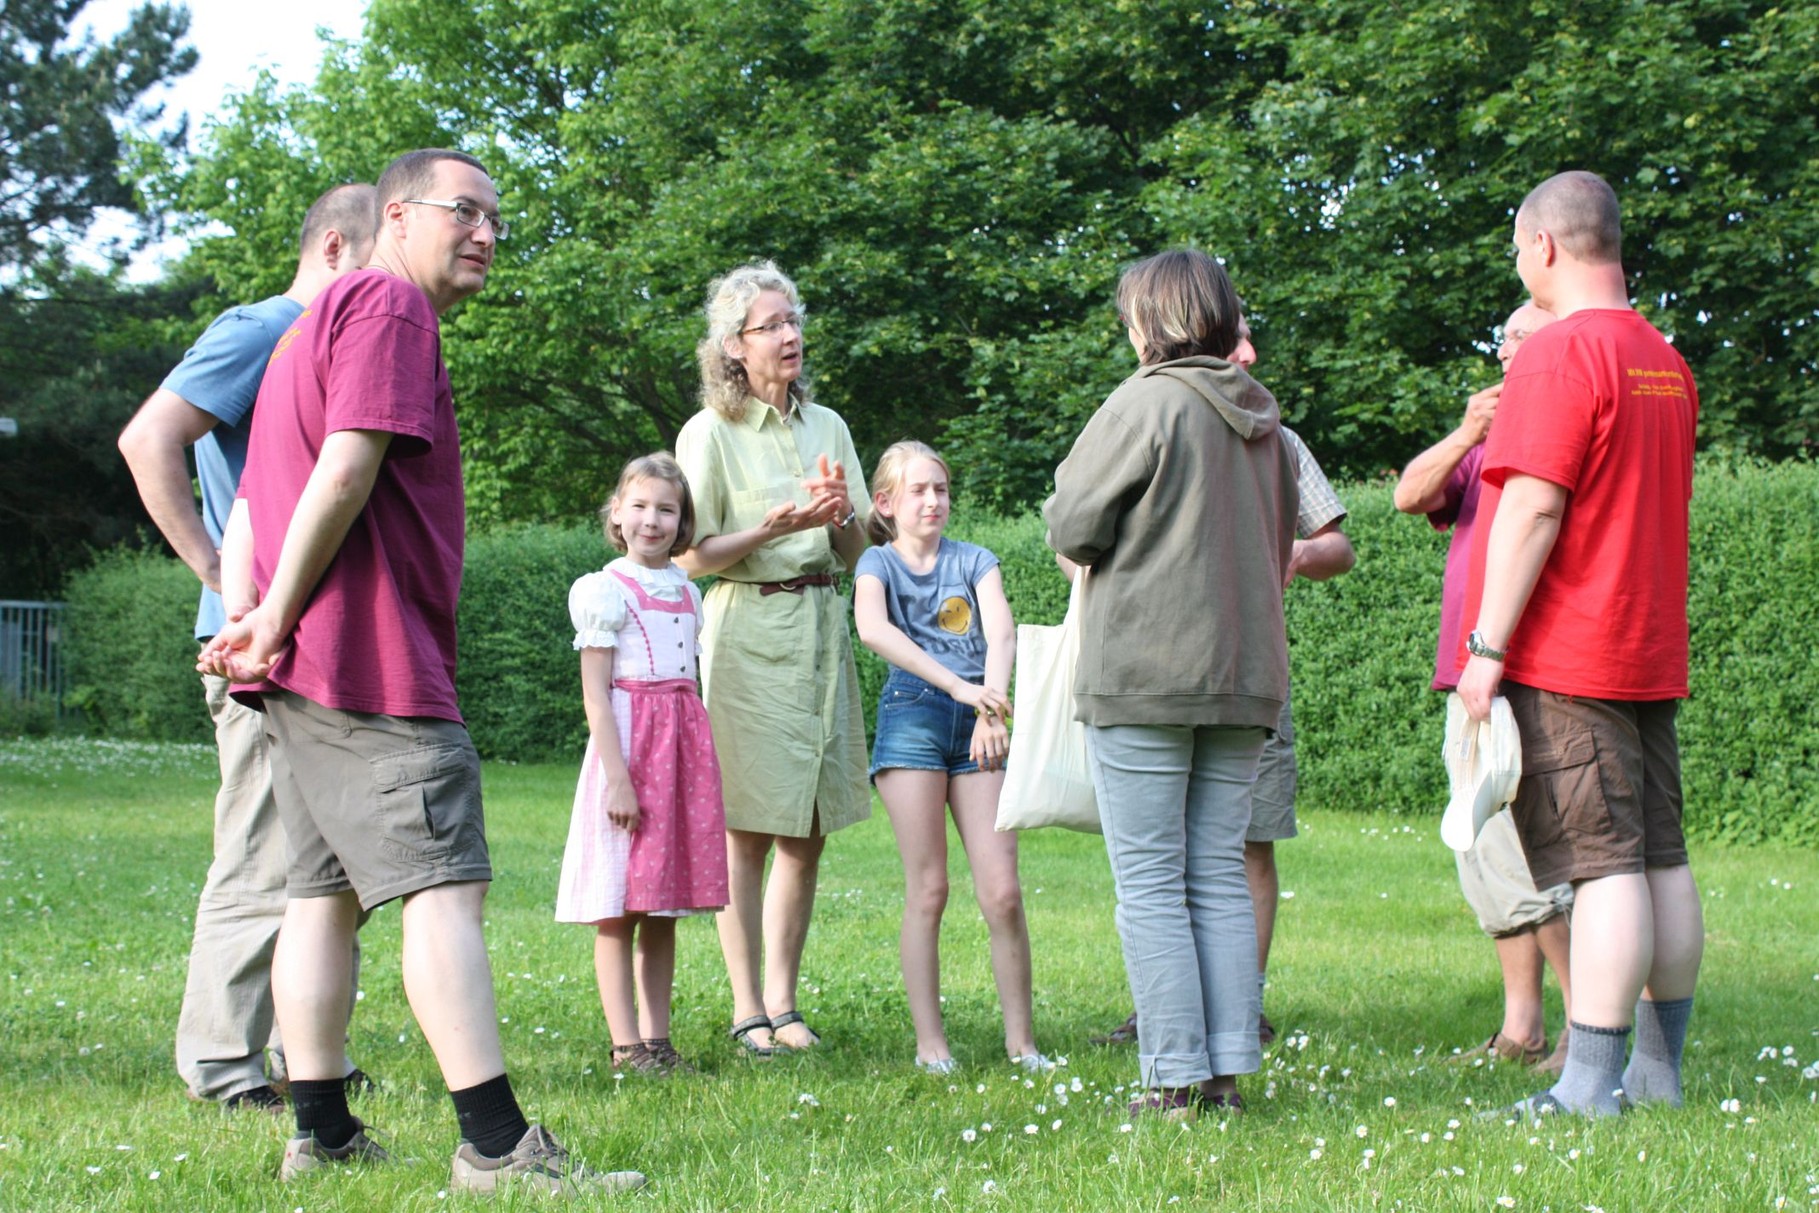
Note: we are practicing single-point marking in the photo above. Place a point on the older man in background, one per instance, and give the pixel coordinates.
(1527, 925)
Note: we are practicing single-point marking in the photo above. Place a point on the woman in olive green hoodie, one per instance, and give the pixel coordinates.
(1180, 497)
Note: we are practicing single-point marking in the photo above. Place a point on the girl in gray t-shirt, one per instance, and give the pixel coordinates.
(935, 609)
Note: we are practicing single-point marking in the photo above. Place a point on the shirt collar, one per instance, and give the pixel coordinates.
(756, 411)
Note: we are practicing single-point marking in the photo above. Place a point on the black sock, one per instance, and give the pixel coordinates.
(490, 1117)
(321, 1107)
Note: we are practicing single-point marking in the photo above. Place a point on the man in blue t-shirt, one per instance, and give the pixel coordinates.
(206, 402)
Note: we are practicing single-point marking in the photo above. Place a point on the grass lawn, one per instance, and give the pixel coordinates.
(1379, 973)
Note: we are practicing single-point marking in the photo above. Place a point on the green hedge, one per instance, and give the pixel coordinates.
(518, 677)
(1361, 646)
(130, 652)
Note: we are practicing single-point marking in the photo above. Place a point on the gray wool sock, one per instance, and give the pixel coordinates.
(1594, 1071)
(1653, 1075)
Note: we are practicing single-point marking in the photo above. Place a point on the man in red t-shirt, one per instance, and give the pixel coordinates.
(350, 533)
(1577, 605)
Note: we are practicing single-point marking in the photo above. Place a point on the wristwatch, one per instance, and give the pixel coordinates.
(1476, 646)
(852, 512)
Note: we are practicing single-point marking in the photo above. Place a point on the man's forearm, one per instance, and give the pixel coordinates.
(1522, 537)
(154, 444)
(335, 494)
(1324, 555)
(1422, 487)
(239, 590)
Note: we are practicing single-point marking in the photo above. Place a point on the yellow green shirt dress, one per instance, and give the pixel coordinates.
(777, 670)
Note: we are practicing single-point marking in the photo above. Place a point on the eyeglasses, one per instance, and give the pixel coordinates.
(775, 327)
(466, 213)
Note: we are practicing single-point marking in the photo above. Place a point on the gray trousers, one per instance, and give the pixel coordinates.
(226, 1024)
(1175, 802)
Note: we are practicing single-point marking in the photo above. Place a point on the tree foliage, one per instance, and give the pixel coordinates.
(60, 150)
(89, 349)
(82, 347)
(956, 183)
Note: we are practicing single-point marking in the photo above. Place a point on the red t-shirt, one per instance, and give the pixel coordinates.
(378, 633)
(1600, 404)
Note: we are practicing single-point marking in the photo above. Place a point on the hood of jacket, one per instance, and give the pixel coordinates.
(1246, 405)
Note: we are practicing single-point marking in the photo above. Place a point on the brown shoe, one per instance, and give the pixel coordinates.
(638, 1058)
(1124, 1034)
(1556, 1061)
(667, 1056)
(1500, 1048)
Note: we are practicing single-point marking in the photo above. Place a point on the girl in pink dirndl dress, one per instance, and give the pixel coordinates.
(647, 838)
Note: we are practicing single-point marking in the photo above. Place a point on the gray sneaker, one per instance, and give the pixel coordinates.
(538, 1163)
(305, 1154)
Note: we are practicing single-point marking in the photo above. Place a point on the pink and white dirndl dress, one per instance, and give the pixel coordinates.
(675, 864)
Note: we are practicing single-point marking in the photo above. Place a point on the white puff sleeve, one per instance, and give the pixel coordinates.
(597, 609)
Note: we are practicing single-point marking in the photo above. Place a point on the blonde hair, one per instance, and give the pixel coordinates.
(659, 465)
(724, 387)
(887, 478)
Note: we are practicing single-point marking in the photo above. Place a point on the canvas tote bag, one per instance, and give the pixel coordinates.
(1047, 781)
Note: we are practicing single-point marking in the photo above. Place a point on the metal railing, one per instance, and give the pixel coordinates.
(31, 652)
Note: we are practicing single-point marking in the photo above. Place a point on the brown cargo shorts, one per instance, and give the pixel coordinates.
(1600, 791)
(382, 805)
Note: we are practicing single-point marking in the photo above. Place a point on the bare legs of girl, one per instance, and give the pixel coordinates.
(916, 802)
(635, 964)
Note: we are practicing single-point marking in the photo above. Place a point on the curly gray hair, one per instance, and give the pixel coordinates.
(724, 387)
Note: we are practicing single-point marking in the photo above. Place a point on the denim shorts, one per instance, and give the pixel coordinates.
(921, 728)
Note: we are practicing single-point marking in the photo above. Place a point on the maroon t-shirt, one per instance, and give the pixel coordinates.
(378, 633)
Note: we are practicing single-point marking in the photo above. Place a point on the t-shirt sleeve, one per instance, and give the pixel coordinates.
(694, 452)
(220, 374)
(597, 609)
(1320, 505)
(387, 364)
(1544, 426)
(1452, 493)
(980, 561)
(871, 564)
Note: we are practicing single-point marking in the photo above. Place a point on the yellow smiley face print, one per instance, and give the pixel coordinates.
(956, 616)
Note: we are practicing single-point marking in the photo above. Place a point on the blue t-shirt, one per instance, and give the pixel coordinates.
(220, 375)
(939, 609)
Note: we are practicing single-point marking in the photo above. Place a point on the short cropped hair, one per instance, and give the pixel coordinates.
(352, 210)
(724, 387)
(659, 465)
(1181, 305)
(1579, 210)
(414, 173)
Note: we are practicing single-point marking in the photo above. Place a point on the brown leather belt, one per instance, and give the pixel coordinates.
(795, 585)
